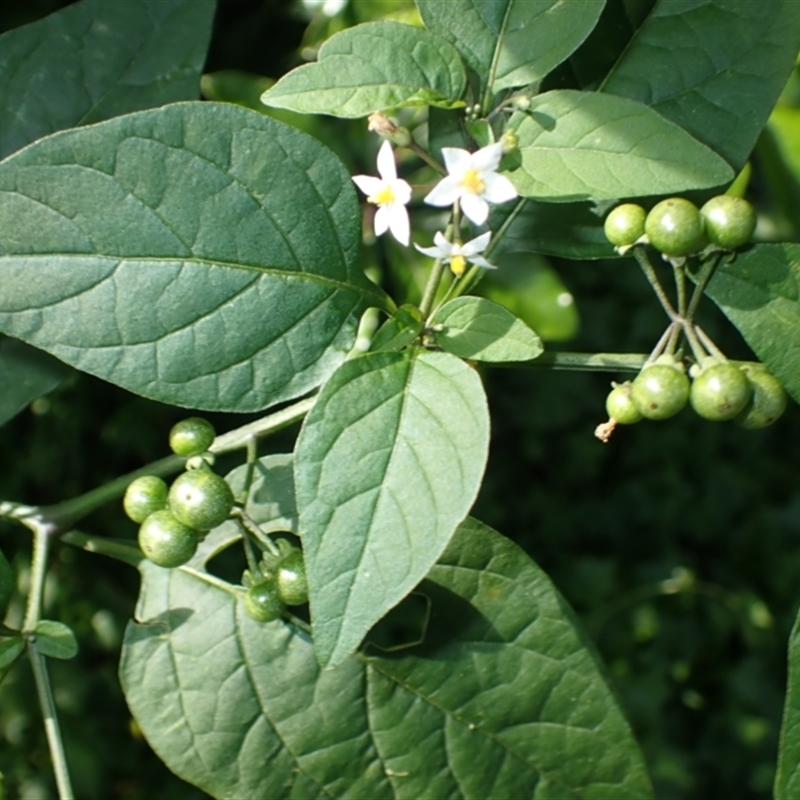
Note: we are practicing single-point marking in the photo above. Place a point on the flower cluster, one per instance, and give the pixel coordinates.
(471, 184)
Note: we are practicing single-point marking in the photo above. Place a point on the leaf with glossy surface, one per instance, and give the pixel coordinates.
(505, 699)
(511, 42)
(714, 67)
(476, 328)
(760, 294)
(387, 464)
(584, 145)
(373, 67)
(55, 639)
(95, 60)
(25, 374)
(787, 779)
(199, 254)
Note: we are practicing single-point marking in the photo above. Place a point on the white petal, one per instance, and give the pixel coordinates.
(402, 191)
(398, 222)
(480, 261)
(433, 252)
(386, 166)
(475, 208)
(456, 160)
(487, 159)
(445, 193)
(369, 185)
(445, 248)
(383, 217)
(476, 245)
(499, 189)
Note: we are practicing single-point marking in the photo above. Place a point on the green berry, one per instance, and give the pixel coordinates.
(729, 221)
(720, 392)
(165, 540)
(262, 603)
(201, 499)
(625, 224)
(620, 405)
(660, 391)
(144, 496)
(675, 227)
(768, 401)
(191, 436)
(290, 578)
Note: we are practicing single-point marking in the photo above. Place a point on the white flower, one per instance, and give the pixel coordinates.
(472, 179)
(457, 255)
(390, 194)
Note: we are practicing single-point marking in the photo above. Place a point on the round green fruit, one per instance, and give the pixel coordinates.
(625, 224)
(767, 403)
(191, 436)
(290, 578)
(262, 603)
(660, 391)
(167, 541)
(144, 496)
(675, 227)
(620, 405)
(201, 499)
(720, 392)
(729, 221)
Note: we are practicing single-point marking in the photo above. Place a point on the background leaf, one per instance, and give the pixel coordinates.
(25, 374)
(198, 254)
(584, 145)
(787, 780)
(760, 294)
(388, 462)
(511, 42)
(373, 67)
(504, 685)
(473, 327)
(95, 60)
(714, 67)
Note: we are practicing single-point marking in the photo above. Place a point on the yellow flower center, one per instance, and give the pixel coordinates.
(457, 265)
(384, 196)
(472, 182)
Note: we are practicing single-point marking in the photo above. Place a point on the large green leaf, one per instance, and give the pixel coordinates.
(511, 42)
(25, 374)
(95, 60)
(373, 67)
(787, 779)
(504, 699)
(714, 67)
(199, 254)
(387, 464)
(760, 294)
(585, 145)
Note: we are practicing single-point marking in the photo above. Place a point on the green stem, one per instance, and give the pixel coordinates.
(51, 726)
(709, 343)
(640, 254)
(697, 349)
(426, 157)
(582, 362)
(435, 278)
(252, 457)
(679, 272)
(251, 526)
(703, 277)
(663, 342)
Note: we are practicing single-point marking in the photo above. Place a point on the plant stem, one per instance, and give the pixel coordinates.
(640, 254)
(582, 362)
(251, 526)
(703, 277)
(51, 726)
(426, 157)
(697, 349)
(662, 343)
(679, 272)
(709, 344)
(435, 278)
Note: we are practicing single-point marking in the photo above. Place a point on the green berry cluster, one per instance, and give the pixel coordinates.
(279, 581)
(677, 228)
(718, 391)
(173, 519)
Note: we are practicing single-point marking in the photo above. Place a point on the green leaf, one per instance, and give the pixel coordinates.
(584, 145)
(787, 779)
(55, 639)
(10, 650)
(95, 60)
(25, 374)
(759, 294)
(399, 331)
(714, 68)
(511, 42)
(6, 584)
(505, 699)
(473, 327)
(198, 254)
(388, 462)
(373, 67)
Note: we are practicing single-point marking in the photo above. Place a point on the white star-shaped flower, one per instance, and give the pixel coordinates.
(390, 194)
(472, 179)
(457, 255)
